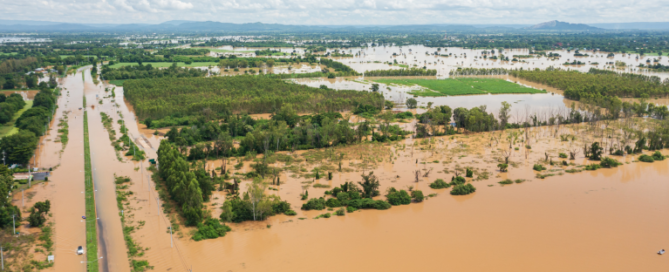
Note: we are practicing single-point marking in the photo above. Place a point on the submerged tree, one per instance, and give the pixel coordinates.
(370, 185)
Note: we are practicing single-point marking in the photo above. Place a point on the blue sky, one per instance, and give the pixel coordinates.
(340, 12)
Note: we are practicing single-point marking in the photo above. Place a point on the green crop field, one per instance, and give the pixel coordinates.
(118, 82)
(460, 86)
(165, 64)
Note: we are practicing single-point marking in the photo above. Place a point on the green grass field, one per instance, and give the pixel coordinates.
(6, 54)
(460, 86)
(9, 129)
(91, 221)
(165, 64)
(118, 82)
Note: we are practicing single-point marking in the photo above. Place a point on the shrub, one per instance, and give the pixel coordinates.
(290, 212)
(506, 181)
(469, 173)
(381, 205)
(658, 156)
(618, 152)
(400, 197)
(314, 204)
(503, 167)
(333, 203)
(351, 209)
(565, 163)
(417, 195)
(210, 229)
(646, 158)
(563, 155)
(463, 189)
(340, 212)
(592, 167)
(539, 167)
(608, 162)
(457, 180)
(439, 184)
(325, 215)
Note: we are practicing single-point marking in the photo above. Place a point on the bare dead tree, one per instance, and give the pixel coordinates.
(427, 173)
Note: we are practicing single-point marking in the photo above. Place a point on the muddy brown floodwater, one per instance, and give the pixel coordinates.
(65, 188)
(609, 220)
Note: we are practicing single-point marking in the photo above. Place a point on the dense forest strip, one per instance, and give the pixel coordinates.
(148, 71)
(91, 221)
(158, 98)
(597, 83)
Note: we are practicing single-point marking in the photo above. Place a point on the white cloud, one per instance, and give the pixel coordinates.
(384, 12)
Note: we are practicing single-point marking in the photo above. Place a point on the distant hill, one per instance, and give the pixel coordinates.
(184, 26)
(557, 25)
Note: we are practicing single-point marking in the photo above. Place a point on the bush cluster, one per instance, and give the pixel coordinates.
(439, 184)
(463, 189)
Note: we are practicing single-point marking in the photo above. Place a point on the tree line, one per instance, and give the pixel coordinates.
(32, 124)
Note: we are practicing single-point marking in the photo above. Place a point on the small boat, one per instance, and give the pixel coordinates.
(660, 252)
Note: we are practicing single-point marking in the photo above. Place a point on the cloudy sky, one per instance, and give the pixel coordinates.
(338, 12)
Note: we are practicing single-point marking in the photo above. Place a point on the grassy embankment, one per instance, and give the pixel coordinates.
(117, 82)
(91, 221)
(460, 86)
(9, 128)
(164, 64)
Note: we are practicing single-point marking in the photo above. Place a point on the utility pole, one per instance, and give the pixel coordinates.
(23, 200)
(157, 205)
(14, 224)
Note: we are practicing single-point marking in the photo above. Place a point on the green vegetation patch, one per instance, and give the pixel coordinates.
(461, 86)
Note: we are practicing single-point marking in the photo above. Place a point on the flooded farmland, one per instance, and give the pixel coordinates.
(582, 216)
(451, 58)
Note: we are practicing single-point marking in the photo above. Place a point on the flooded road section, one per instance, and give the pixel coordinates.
(65, 188)
(150, 223)
(111, 243)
